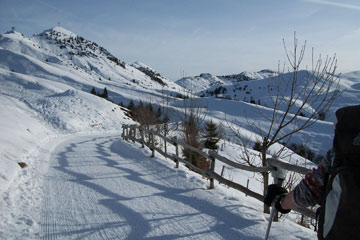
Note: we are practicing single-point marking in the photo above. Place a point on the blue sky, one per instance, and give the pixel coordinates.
(178, 37)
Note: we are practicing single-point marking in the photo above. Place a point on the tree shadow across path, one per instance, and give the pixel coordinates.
(148, 199)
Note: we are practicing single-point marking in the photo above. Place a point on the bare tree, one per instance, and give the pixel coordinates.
(163, 113)
(191, 107)
(145, 115)
(293, 93)
(192, 115)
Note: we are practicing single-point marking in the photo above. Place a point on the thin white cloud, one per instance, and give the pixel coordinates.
(335, 4)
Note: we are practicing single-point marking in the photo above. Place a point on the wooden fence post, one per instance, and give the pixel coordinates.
(212, 169)
(152, 145)
(176, 151)
(133, 135)
(142, 137)
(126, 133)
(247, 186)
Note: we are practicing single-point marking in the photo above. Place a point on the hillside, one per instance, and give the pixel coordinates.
(45, 99)
(208, 83)
(63, 56)
(48, 77)
(46, 82)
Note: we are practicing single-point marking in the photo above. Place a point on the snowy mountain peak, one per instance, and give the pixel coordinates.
(68, 45)
(247, 76)
(14, 33)
(200, 83)
(208, 81)
(59, 33)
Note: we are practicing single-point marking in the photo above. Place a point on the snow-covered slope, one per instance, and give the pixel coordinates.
(245, 100)
(61, 55)
(208, 81)
(260, 87)
(153, 74)
(200, 83)
(45, 95)
(46, 82)
(248, 76)
(49, 77)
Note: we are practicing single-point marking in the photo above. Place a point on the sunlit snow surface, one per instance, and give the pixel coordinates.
(84, 182)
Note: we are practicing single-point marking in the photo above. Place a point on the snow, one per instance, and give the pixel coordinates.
(64, 33)
(208, 81)
(199, 83)
(84, 182)
(100, 187)
(139, 64)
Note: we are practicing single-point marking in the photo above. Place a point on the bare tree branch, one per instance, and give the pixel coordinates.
(293, 94)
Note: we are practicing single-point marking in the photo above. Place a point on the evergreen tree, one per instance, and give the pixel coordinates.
(105, 94)
(149, 107)
(212, 136)
(131, 105)
(192, 137)
(165, 119)
(93, 91)
(257, 146)
(158, 114)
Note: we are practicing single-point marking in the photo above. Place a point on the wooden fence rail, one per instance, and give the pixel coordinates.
(273, 164)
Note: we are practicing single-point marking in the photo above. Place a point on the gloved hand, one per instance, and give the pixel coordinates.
(277, 194)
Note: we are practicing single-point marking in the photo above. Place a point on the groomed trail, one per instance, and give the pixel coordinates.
(100, 187)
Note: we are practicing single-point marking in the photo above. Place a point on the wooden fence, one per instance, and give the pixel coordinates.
(137, 133)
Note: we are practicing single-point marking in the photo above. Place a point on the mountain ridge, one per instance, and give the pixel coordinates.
(63, 49)
(207, 81)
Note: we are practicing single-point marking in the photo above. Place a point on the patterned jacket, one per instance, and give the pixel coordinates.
(308, 191)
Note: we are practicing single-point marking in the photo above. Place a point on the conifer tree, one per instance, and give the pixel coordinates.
(212, 136)
(131, 105)
(105, 94)
(165, 119)
(149, 107)
(93, 91)
(158, 114)
(192, 137)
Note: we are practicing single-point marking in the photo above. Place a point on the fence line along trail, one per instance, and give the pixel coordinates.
(102, 187)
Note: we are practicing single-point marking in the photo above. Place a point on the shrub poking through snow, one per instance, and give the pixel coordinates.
(22, 164)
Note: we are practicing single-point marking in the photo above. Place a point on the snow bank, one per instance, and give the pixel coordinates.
(21, 132)
(35, 109)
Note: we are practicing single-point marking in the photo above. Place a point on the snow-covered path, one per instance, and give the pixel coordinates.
(100, 187)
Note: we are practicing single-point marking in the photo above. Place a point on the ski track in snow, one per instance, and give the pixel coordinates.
(100, 187)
